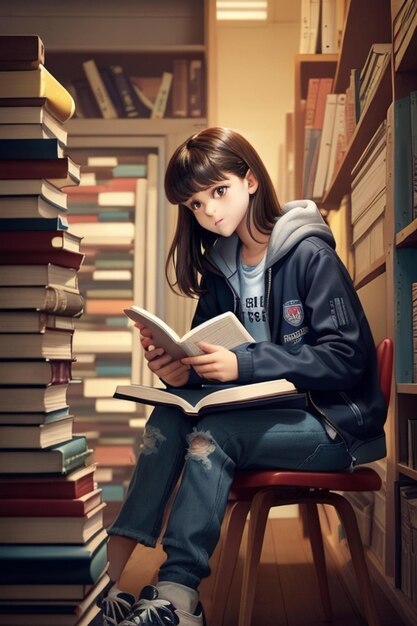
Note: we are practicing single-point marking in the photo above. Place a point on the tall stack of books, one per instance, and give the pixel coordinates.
(52, 537)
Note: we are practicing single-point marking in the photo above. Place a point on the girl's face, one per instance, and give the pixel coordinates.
(221, 208)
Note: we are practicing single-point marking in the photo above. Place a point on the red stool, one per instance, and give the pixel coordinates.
(257, 491)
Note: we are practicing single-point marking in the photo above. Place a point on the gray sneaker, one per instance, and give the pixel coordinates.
(151, 610)
(116, 606)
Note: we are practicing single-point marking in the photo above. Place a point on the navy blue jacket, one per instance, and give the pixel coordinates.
(320, 337)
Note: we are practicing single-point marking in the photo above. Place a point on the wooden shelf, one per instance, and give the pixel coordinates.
(376, 269)
(407, 388)
(407, 237)
(143, 127)
(360, 28)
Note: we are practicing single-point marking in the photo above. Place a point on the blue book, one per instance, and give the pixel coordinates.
(58, 459)
(33, 223)
(30, 149)
(403, 175)
(130, 170)
(65, 564)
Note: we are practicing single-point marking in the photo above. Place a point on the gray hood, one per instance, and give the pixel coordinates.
(299, 219)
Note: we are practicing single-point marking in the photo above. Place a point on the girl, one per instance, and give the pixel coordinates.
(277, 270)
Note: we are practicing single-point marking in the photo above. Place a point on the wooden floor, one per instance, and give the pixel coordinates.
(286, 588)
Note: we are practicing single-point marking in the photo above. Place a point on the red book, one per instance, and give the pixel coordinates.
(40, 247)
(62, 171)
(50, 507)
(73, 485)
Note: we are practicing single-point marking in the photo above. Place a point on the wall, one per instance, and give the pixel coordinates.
(255, 80)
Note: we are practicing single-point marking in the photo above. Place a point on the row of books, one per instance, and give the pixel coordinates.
(414, 326)
(321, 26)
(331, 119)
(404, 21)
(53, 544)
(110, 92)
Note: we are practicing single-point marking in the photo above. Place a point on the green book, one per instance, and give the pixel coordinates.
(59, 459)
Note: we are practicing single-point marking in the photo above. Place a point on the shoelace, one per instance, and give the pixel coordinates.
(147, 609)
(113, 611)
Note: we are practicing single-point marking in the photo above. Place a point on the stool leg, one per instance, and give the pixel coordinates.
(348, 518)
(317, 549)
(232, 531)
(259, 510)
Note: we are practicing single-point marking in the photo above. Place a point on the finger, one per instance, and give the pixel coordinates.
(208, 348)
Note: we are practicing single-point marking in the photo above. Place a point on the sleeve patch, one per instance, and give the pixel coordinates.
(339, 312)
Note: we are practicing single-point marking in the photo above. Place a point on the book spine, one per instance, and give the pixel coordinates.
(63, 302)
(180, 88)
(413, 114)
(125, 91)
(100, 92)
(160, 105)
(196, 88)
(33, 224)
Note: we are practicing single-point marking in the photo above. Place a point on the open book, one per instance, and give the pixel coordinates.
(223, 330)
(271, 393)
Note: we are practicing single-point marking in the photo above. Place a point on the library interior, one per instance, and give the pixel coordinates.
(95, 97)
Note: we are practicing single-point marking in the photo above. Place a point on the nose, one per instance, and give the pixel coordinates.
(210, 209)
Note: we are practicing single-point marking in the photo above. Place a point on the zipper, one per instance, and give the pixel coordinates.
(353, 406)
(268, 283)
(324, 416)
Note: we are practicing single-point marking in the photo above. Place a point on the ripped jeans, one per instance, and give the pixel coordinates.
(208, 451)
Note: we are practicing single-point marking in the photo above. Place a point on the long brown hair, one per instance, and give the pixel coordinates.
(199, 162)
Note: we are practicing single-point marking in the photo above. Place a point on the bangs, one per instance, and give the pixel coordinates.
(196, 172)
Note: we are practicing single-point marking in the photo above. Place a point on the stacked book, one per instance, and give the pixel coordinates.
(368, 202)
(109, 211)
(52, 537)
(408, 558)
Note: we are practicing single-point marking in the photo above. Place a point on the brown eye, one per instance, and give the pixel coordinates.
(219, 192)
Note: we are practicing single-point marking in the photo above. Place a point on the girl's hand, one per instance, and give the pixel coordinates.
(217, 363)
(173, 373)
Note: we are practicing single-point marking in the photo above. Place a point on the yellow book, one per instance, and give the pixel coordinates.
(38, 83)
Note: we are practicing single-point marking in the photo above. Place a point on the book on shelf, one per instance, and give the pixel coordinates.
(49, 148)
(21, 52)
(39, 372)
(104, 341)
(85, 101)
(30, 275)
(328, 26)
(414, 326)
(325, 146)
(110, 233)
(36, 436)
(48, 299)
(116, 198)
(33, 187)
(133, 106)
(108, 111)
(51, 529)
(21, 399)
(33, 322)
(59, 172)
(338, 141)
(375, 63)
(58, 459)
(271, 393)
(412, 441)
(403, 169)
(107, 306)
(180, 88)
(413, 121)
(51, 344)
(40, 247)
(108, 79)
(57, 564)
(161, 100)
(74, 484)
(225, 330)
(38, 83)
(310, 26)
(196, 88)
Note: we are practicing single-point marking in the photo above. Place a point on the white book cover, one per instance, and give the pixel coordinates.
(338, 129)
(99, 90)
(325, 143)
(329, 26)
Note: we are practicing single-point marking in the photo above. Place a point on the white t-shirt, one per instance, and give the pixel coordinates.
(252, 296)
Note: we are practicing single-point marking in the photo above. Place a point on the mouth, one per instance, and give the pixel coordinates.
(218, 222)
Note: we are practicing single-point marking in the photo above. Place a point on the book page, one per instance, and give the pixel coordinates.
(224, 330)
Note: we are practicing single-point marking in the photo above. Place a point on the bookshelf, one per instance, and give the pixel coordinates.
(385, 284)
